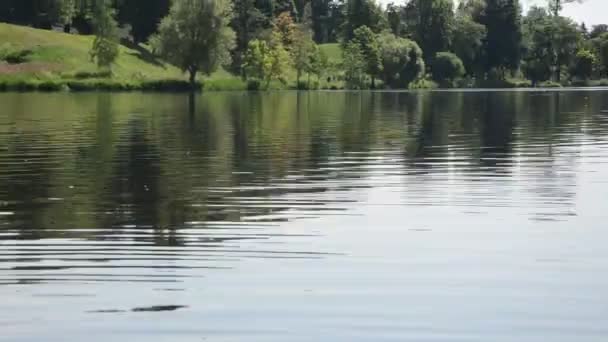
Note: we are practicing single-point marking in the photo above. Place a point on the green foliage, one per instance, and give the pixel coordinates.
(467, 42)
(600, 47)
(142, 16)
(362, 13)
(195, 35)
(304, 52)
(447, 68)
(368, 43)
(354, 66)
(105, 46)
(584, 63)
(402, 60)
(550, 43)
(502, 19)
(431, 23)
(266, 62)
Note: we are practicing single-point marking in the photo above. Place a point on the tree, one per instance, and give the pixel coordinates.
(447, 68)
(266, 61)
(502, 19)
(539, 55)
(402, 60)
(600, 46)
(366, 39)
(105, 45)
(394, 17)
(319, 63)
(64, 12)
(143, 16)
(285, 28)
(565, 37)
(248, 21)
(584, 63)
(431, 23)
(353, 66)
(302, 52)
(467, 42)
(598, 30)
(362, 13)
(195, 35)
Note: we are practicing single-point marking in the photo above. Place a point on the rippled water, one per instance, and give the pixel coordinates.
(447, 216)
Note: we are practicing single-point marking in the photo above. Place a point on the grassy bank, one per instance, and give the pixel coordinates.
(42, 60)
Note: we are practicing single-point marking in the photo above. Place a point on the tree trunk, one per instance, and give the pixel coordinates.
(298, 79)
(67, 28)
(308, 81)
(193, 72)
(373, 82)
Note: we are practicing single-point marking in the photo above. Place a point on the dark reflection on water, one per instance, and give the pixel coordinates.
(104, 196)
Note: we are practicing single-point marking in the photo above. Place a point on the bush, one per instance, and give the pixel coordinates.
(91, 74)
(447, 68)
(13, 56)
(423, 83)
(52, 86)
(254, 84)
(305, 85)
(549, 84)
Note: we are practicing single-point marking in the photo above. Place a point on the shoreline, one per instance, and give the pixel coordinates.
(181, 86)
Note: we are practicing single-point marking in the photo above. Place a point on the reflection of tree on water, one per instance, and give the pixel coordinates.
(157, 163)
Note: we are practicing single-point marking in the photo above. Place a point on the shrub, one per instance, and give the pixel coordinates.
(254, 84)
(447, 68)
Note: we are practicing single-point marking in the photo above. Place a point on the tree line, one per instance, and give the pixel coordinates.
(471, 42)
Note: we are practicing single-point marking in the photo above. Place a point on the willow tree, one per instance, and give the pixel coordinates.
(196, 36)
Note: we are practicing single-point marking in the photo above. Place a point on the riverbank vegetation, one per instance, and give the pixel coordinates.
(294, 44)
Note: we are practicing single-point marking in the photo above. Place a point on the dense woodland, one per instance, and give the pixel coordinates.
(411, 44)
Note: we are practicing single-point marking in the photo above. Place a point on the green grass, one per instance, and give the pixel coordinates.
(54, 55)
(333, 52)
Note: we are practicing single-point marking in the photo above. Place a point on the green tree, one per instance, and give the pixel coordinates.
(195, 35)
(302, 51)
(248, 22)
(539, 53)
(467, 42)
(402, 60)
(503, 46)
(584, 63)
(319, 63)
(143, 16)
(266, 61)
(431, 23)
(362, 13)
(368, 43)
(353, 66)
(447, 68)
(105, 47)
(285, 28)
(598, 30)
(600, 46)
(565, 37)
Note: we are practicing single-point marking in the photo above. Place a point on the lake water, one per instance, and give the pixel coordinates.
(323, 216)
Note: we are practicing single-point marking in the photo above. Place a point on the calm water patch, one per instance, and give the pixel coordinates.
(322, 216)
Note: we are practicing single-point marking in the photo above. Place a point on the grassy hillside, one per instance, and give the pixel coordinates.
(333, 52)
(33, 59)
(49, 55)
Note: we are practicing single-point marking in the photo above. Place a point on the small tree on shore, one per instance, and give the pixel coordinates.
(195, 36)
(105, 47)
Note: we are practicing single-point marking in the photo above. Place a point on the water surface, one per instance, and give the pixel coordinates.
(329, 216)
